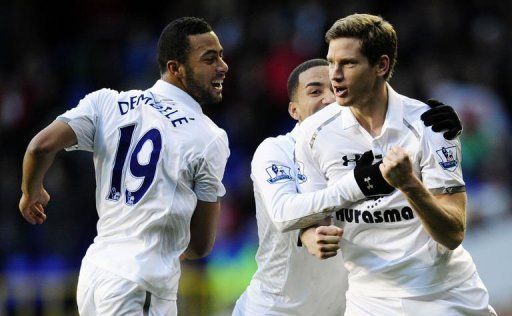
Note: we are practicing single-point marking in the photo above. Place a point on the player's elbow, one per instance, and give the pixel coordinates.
(40, 146)
(198, 250)
(205, 250)
(455, 240)
(278, 216)
(280, 226)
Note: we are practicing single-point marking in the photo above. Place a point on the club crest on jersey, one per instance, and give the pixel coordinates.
(278, 174)
(448, 156)
(301, 177)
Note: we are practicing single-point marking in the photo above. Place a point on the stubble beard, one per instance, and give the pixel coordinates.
(198, 92)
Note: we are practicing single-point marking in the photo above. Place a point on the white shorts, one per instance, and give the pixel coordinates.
(100, 292)
(259, 303)
(469, 298)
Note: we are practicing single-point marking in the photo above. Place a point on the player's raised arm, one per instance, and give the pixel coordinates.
(38, 159)
(443, 215)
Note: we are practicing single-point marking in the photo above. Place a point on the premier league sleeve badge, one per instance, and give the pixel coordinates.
(278, 174)
(448, 156)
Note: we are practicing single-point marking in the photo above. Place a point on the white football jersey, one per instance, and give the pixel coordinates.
(155, 154)
(384, 246)
(289, 281)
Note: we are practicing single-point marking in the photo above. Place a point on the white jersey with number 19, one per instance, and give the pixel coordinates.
(155, 154)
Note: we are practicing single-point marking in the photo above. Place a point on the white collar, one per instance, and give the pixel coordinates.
(394, 114)
(294, 133)
(168, 90)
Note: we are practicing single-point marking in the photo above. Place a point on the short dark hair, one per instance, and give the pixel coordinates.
(174, 43)
(378, 37)
(293, 79)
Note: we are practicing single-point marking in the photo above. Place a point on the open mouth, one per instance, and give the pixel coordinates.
(217, 84)
(340, 92)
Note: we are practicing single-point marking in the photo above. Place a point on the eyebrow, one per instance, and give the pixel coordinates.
(314, 83)
(212, 51)
(345, 60)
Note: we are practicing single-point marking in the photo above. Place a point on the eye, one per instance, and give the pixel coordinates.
(349, 64)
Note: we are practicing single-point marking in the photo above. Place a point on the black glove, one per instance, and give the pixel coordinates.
(442, 117)
(369, 178)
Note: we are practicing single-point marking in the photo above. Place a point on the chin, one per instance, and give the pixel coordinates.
(216, 98)
(342, 102)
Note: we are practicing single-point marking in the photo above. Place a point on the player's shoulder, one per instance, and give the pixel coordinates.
(107, 98)
(205, 131)
(279, 142)
(320, 118)
(413, 109)
(204, 135)
(273, 147)
(127, 94)
(101, 96)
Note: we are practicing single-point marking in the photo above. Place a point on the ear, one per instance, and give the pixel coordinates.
(382, 65)
(292, 109)
(175, 68)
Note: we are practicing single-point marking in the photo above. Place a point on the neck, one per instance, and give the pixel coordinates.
(167, 77)
(372, 113)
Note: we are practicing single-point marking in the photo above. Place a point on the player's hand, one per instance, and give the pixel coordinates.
(369, 178)
(323, 241)
(32, 207)
(396, 167)
(442, 117)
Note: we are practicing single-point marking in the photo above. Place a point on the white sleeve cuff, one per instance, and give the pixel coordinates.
(349, 189)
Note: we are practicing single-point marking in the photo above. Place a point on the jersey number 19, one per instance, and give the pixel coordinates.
(146, 171)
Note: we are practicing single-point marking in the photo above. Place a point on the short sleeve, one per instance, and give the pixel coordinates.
(441, 164)
(83, 119)
(209, 170)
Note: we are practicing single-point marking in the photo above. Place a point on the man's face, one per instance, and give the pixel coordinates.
(205, 68)
(352, 77)
(313, 93)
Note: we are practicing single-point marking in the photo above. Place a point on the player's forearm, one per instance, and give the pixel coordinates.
(300, 210)
(203, 227)
(199, 247)
(194, 252)
(445, 222)
(36, 163)
(41, 152)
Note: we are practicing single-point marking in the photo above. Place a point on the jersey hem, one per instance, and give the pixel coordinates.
(371, 291)
(167, 294)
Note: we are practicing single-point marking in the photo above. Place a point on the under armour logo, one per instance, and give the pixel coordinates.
(346, 160)
(367, 180)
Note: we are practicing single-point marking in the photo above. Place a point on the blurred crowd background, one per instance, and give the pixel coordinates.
(51, 55)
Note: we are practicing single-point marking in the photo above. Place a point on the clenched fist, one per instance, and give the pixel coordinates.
(323, 241)
(396, 167)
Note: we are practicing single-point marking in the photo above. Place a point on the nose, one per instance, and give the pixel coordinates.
(328, 100)
(223, 66)
(336, 73)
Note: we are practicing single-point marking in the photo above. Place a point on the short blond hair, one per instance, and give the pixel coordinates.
(378, 37)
